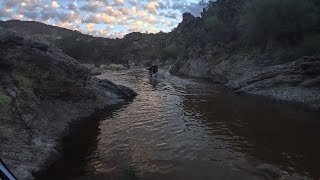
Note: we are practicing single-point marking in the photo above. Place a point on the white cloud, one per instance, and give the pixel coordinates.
(101, 18)
(55, 4)
(72, 6)
(117, 34)
(123, 15)
(152, 7)
(193, 8)
(92, 6)
(5, 12)
(118, 2)
(137, 26)
(17, 16)
(10, 3)
(90, 27)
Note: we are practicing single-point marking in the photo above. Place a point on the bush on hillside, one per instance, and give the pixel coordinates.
(216, 29)
(171, 51)
(311, 46)
(150, 54)
(74, 47)
(286, 21)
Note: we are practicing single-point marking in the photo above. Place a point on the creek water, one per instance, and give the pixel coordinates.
(183, 128)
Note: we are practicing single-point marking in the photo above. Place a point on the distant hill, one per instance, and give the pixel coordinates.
(36, 28)
(84, 48)
(135, 47)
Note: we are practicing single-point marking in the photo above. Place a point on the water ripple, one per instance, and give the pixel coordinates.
(179, 127)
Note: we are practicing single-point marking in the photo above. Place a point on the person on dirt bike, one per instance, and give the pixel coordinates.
(153, 70)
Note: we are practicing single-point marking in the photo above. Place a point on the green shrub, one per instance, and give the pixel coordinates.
(22, 79)
(171, 51)
(148, 64)
(217, 30)
(24, 82)
(75, 46)
(311, 45)
(286, 21)
(130, 174)
(5, 100)
(150, 54)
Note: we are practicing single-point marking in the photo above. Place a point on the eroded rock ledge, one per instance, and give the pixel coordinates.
(297, 81)
(42, 90)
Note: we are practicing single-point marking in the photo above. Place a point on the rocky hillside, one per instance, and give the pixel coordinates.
(37, 28)
(84, 48)
(42, 90)
(134, 47)
(248, 46)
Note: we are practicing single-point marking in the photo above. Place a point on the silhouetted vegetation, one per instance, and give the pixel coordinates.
(286, 21)
(225, 26)
(171, 51)
(130, 174)
(5, 100)
(217, 29)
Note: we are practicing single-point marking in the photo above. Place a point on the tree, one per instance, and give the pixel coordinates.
(216, 29)
(282, 20)
(171, 51)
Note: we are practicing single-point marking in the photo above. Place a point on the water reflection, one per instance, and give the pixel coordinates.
(280, 139)
(179, 128)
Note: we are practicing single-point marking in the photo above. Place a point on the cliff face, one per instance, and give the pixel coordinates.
(215, 49)
(42, 90)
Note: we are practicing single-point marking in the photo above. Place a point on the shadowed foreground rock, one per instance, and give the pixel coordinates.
(42, 90)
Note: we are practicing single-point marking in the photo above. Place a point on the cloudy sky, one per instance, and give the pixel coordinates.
(106, 18)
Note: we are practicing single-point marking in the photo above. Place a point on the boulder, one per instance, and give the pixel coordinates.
(296, 81)
(36, 42)
(7, 36)
(93, 69)
(42, 91)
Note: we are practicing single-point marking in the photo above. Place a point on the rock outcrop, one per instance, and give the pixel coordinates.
(217, 47)
(42, 90)
(93, 69)
(296, 81)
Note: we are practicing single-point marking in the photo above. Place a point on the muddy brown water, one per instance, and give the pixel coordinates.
(183, 128)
